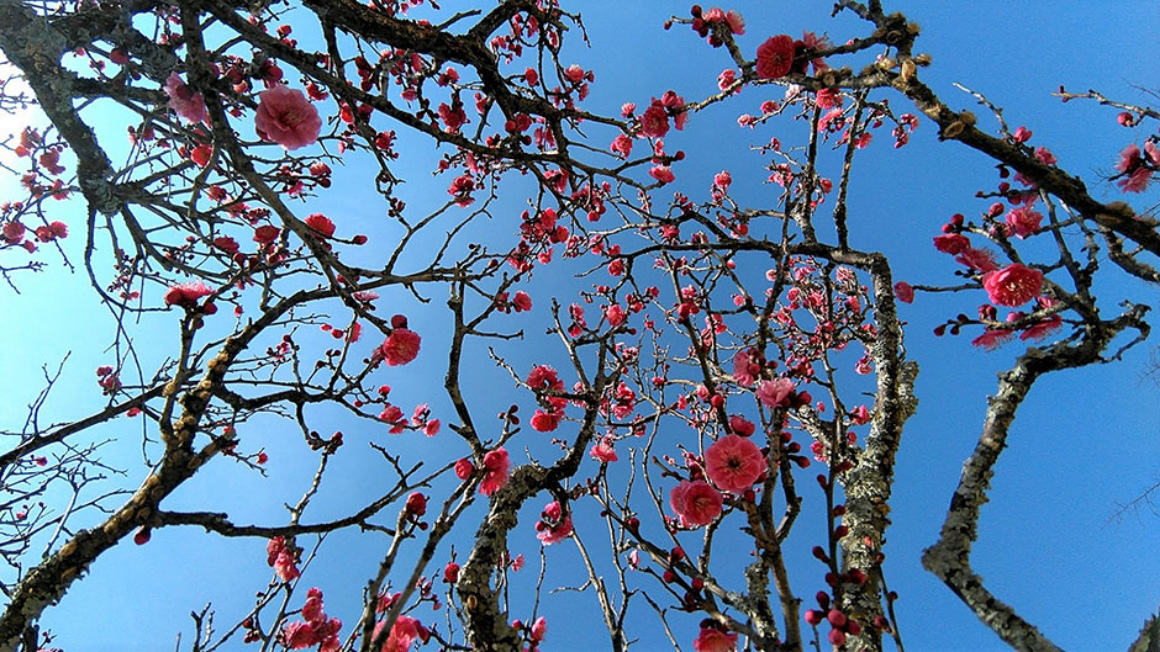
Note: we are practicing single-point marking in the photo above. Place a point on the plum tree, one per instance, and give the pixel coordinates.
(671, 382)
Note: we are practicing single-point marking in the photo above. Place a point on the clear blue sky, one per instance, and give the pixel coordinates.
(1084, 441)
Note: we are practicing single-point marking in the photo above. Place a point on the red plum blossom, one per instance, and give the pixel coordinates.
(775, 57)
(320, 224)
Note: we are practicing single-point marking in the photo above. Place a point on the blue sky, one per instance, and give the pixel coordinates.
(1084, 441)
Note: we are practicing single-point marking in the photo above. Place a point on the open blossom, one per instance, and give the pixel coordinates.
(712, 639)
(621, 145)
(735, 22)
(675, 105)
(696, 503)
(401, 347)
(734, 463)
(952, 243)
(726, 78)
(317, 630)
(266, 234)
(298, 635)
(13, 232)
(544, 377)
(1023, 221)
(184, 101)
(495, 465)
(775, 393)
(187, 294)
(554, 525)
(741, 426)
(51, 232)
(1014, 285)
(812, 41)
(453, 117)
(321, 224)
(1042, 329)
(662, 173)
(980, 259)
(1045, 326)
(1045, 156)
(403, 633)
(546, 421)
(1131, 164)
(775, 57)
(655, 121)
(603, 451)
(745, 367)
(286, 117)
(282, 558)
(992, 339)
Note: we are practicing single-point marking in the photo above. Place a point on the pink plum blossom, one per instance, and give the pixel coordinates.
(745, 367)
(1014, 285)
(403, 633)
(1023, 222)
(51, 232)
(400, 347)
(1131, 164)
(184, 101)
(712, 639)
(655, 121)
(286, 117)
(734, 463)
(735, 21)
(187, 294)
(554, 526)
(662, 173)
(775, 393)
(603, 450)
(266, 234)
(495, 464)
(13, 232)
(696, 503)
(980, 259)
(992, 339)
(464, 468)
(621, 145)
